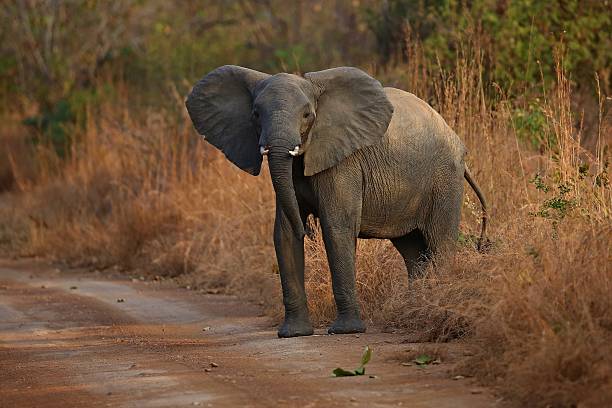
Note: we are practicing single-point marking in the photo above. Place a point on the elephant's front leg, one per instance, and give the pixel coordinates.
(340, 245)
(290, 255)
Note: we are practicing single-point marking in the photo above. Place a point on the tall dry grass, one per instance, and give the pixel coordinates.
(141, 192)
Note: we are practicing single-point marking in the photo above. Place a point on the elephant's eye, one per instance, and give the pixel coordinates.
(306, 115)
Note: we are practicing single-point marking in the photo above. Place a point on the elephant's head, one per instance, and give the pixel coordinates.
(325, 116)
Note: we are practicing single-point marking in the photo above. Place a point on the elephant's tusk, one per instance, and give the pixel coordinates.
(295, 151)
(263, 151)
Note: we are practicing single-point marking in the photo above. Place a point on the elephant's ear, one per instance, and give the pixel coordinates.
(352, 112)
(220, 108)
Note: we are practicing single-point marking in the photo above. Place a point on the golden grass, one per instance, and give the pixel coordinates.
(141, 192)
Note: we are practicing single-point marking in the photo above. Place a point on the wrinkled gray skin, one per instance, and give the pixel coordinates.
(373, 162)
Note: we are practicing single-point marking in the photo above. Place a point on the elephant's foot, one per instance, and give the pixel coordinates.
(346, 325)
(293, 327)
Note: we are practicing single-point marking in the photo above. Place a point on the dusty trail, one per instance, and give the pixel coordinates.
(66, 340)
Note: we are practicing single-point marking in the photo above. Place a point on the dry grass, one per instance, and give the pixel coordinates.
(140, 192)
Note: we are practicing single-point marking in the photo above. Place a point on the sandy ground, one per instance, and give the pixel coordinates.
(70, 338)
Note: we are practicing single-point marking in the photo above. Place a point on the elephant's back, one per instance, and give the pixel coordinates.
(414, 120)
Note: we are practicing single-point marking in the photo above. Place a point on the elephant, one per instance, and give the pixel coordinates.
(366, 161)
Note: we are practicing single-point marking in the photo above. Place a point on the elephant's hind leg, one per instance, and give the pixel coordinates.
(442, 227)
(413, 249)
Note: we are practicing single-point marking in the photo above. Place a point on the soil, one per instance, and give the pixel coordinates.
(76, 338)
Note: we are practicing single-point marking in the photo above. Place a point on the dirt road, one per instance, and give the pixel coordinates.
(78, 339)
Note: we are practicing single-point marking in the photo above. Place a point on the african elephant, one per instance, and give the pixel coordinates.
(367, 161)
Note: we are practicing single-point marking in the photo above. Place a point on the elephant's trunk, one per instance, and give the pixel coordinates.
(281, 164)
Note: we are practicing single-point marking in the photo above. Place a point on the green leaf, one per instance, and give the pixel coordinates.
(365, 358)
(423, 359)
(367, 355)
(340, 372)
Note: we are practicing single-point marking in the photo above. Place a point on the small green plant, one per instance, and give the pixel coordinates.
(367, 355)
(424, 359)
(539, 184)
(556, 207)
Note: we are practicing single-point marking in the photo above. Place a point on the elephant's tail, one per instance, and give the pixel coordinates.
(483, 204)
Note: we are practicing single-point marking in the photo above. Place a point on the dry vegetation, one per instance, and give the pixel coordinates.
(141, 192)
